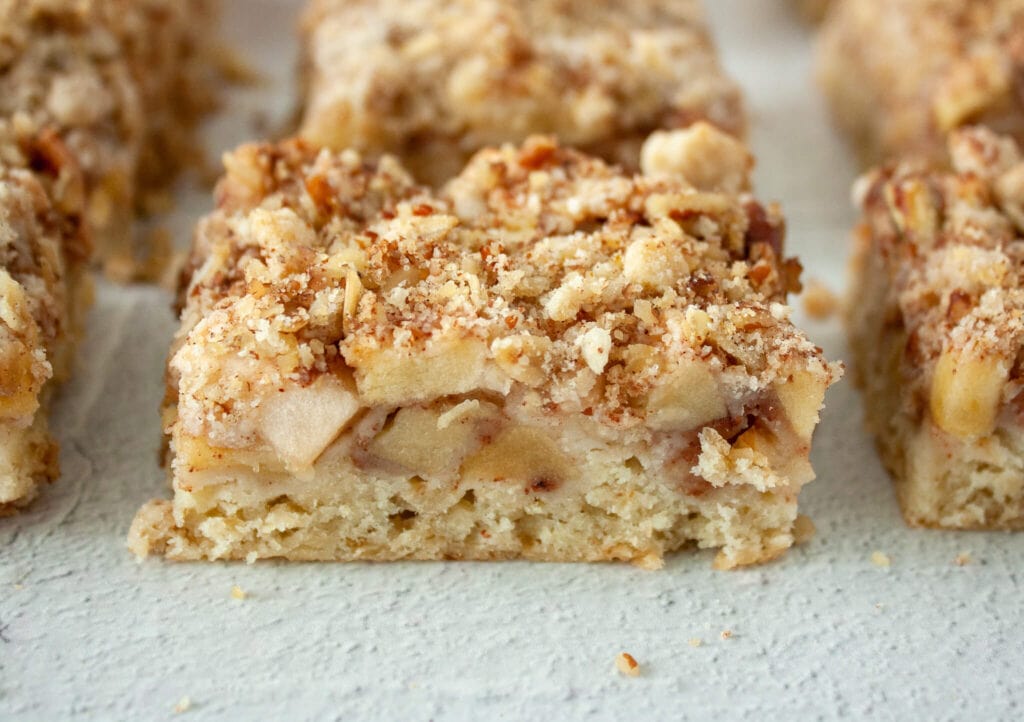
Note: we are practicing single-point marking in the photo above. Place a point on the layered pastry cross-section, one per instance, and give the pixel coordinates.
(549, 359)
(433, 81)
(937, 331)
(44, 291)
(901, 74)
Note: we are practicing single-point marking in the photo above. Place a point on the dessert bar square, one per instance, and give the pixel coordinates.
(124, 83)
(901, 74)
(44, 291)
(549, 359)
(62, 68)
(433, 81)
(937, 331)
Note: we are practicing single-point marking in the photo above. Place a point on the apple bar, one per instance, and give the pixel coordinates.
(551, 359)
(937, 331)
(433, 81)
(44, 291)
(124, 84)
(901, 74)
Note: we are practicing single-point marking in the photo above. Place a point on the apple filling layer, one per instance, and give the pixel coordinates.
(549, 360)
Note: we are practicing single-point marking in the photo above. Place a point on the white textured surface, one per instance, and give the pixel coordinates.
(90, 634)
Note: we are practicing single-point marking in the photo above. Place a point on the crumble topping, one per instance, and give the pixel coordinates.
(604, 294)
(433, 81)
(61, 67)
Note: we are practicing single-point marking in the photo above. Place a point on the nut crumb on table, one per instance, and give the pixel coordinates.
(820, 302)
(584, 363)
(627, 665)
(880, 559)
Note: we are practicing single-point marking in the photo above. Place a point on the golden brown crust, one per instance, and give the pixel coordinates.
(901, 74)
(938, 326)
(433, 81)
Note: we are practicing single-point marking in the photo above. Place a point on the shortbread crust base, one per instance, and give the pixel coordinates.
(615, 512)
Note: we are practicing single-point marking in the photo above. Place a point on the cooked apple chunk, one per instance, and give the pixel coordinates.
(369, 369)
(938, 331)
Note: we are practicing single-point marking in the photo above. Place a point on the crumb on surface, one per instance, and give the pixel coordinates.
(820, 302)
(184, 705)
(695, 642)
(963, 559)
(238, 593)
(726, 634)
(803, 529)
(627, 664)
(880, 559)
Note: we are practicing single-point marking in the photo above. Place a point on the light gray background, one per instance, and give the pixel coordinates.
(89, 633)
